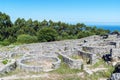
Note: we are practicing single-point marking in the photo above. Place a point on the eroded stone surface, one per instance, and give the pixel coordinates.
(90, 49)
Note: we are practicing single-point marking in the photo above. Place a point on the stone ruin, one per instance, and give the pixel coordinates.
(116, 73)
(89, 50)
(39, 64)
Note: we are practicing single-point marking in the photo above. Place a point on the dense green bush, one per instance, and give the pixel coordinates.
(64, 35)
(5, 61)
(25, 38)
(47, 35)
(5, 42)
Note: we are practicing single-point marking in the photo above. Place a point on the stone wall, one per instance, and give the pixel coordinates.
(8, 67)
(93, 47)
(112, 36)
(38, 68)
(72, 63)
(115, 76)
(98, 50)
(115, 53)
(92, 57)
(100, 47)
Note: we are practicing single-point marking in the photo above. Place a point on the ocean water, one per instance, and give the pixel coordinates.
(108, 27)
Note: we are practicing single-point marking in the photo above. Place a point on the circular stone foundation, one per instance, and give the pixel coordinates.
(38, 64)
(17, 55)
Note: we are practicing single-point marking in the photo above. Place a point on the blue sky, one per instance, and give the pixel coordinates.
(87, 11)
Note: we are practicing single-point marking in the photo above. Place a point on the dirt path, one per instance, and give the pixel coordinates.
(49, 76)
(103, 79)
(43, 76)
(91, 71)
(24, 77)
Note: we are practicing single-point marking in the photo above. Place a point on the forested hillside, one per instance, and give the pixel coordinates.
(29, 31)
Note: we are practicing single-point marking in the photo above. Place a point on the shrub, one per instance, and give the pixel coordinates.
(59, 38)
(47, 35)
(64, 35)
(84, 34)
(72, 37)
(4, 43)
(5, 61)
(25, 38)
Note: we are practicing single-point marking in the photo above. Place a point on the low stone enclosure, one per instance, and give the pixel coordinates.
(101, 47)
(39, 57)
(39, 64)
(72, 63)
(76, 59)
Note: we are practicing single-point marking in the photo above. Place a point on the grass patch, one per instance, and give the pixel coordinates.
(20, 72)
(76, 57)
(99, 63)
(65, 69)
(108, 72)
(72, 78)
(17, 56)
(31, 79)
(5, 61)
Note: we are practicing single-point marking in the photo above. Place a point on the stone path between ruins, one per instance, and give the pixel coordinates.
(95, 70)
(49, 76)
(46, 75)
(24, 77)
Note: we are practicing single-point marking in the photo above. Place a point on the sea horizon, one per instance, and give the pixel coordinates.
(108, 27)
(112, 26)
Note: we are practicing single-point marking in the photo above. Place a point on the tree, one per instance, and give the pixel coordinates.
(64, 35)
(36, 25)
(44, 23)
(51, 23)
(20, 22)
(84, 34)
(5, 25)
(29, 23)
(80, 26)
(47, 34)
(101, 31)
(45, 30)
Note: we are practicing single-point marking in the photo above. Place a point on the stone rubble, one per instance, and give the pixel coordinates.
(90, 49)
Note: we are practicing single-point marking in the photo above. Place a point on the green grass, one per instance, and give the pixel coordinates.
(65, 69)
(109, 71)
(59, 78)
(72, 78)
(102, 74)
(76, 57)
(84, 49)
(99, 63)
(66, 73)
(5, 61)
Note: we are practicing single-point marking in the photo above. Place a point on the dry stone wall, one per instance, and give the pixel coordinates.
(8, 67)
(92, 57)
(115, 53)
(38, 68)
(72, 63)
(89, 47)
